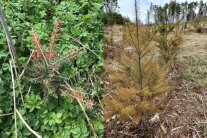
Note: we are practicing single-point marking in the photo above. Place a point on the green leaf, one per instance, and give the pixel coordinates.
(58, 121)
(76, 131)
(59, 115)
(51, 122)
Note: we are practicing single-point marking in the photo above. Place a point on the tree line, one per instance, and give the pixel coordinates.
(174, 11)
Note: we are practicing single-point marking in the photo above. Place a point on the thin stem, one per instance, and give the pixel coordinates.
(14, 98)
(67, 56)
(76, 40)
(87, 118)
(20, 76)
(1, 115)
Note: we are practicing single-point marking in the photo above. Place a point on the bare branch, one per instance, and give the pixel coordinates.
(25, 123)
(20, 76)
(14, 99)
(87, 118)
(1, 115)
(79, 42)
(68, 56)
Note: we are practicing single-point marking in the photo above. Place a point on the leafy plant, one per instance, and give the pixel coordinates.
(33, 102)
(80, 20)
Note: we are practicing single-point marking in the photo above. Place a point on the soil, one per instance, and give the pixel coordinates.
(184, 113)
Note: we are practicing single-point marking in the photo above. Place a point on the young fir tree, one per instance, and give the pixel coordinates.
(168, 38)
(140, 82)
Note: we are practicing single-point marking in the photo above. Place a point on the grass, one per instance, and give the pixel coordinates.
(193, 58)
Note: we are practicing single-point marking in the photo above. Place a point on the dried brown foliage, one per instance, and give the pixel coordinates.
(139, 79)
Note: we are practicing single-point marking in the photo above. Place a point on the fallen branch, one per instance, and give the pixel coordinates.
(87, 118)
(25, 123)
(94, 133)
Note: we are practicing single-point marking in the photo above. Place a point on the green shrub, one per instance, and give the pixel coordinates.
(111, 18)
(48, 115)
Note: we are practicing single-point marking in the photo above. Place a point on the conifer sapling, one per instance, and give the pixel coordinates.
(139, 79)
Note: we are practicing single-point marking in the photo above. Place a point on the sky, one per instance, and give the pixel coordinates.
(127, 7)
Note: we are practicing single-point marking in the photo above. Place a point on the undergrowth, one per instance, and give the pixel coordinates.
(49, 105)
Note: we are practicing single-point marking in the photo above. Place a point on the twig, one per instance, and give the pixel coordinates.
(67, 56)
(29, 89)
(76, 40)
(176, 128)
(202, 122)
(25, 123)
(14, 98)
(167, 106)
(1, 115)
(94, 133)
(15, 69)
(20, 76)
(197, 132)
(95, 90)
(109, 96)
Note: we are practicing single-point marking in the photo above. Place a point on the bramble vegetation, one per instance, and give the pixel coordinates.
(65, 66)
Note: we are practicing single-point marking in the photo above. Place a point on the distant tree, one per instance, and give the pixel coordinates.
(151, 12)
(172, 10)
(191, 8)
(201, 9)
(178, 11)
(111, 18)
(148, 17)
(184, 7)
(110, 5)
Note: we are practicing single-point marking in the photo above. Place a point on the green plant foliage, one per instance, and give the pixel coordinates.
(50, 116)
(32, 102)
(111, 18)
